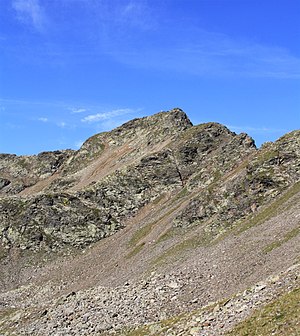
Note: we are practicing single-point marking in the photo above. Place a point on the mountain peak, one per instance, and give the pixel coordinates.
(199, 205)
(174, 120)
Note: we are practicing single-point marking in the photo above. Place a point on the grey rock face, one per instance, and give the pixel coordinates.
(152, 156)
(161, 192)
(24, 171)
(4, 182)
(263, 177)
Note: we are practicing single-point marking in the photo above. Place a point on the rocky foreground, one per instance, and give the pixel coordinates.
(158, 227)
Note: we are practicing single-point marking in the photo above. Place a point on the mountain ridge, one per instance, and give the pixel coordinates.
(157, 194)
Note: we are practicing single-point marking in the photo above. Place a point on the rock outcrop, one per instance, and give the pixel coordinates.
(153, 195)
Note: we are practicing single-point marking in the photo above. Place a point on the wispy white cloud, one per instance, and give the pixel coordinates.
(13, 125)
(256, 129)
(216, 57)
(110, 124)
(188, 49)
(136, 13)
(77, 110)
(107, 115)
(129, 13)
(43, 119)
(62, 124)
(43, 104)
(133, 32)
(18, 101)
(30, 12)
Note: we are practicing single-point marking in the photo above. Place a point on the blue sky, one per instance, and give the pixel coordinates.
(73, 68)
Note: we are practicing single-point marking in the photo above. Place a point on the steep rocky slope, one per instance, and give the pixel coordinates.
(147, 224)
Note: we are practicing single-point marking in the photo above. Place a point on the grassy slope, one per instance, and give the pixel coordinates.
(280, 317)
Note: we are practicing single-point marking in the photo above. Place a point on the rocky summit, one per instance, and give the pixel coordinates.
(157, 227)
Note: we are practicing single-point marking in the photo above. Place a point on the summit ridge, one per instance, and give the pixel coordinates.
(146, 229)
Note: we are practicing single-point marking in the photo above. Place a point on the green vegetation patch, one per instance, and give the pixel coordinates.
(272, 210)
(6, 313)
(135, 251)
(6, 325)
(170, 233)
(177, 250)
(290, 235)
(141, 233)
(182, 193)
(207, 238)
(267, 155)
(280, 317)
(167, 326)
(155, 329)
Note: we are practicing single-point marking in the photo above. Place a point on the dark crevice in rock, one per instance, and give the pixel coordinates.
(177, 168)
(208, 159)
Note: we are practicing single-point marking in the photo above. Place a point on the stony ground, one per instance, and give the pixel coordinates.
(156, 228)
(84, 296)
(105, 311)
(219, 317)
